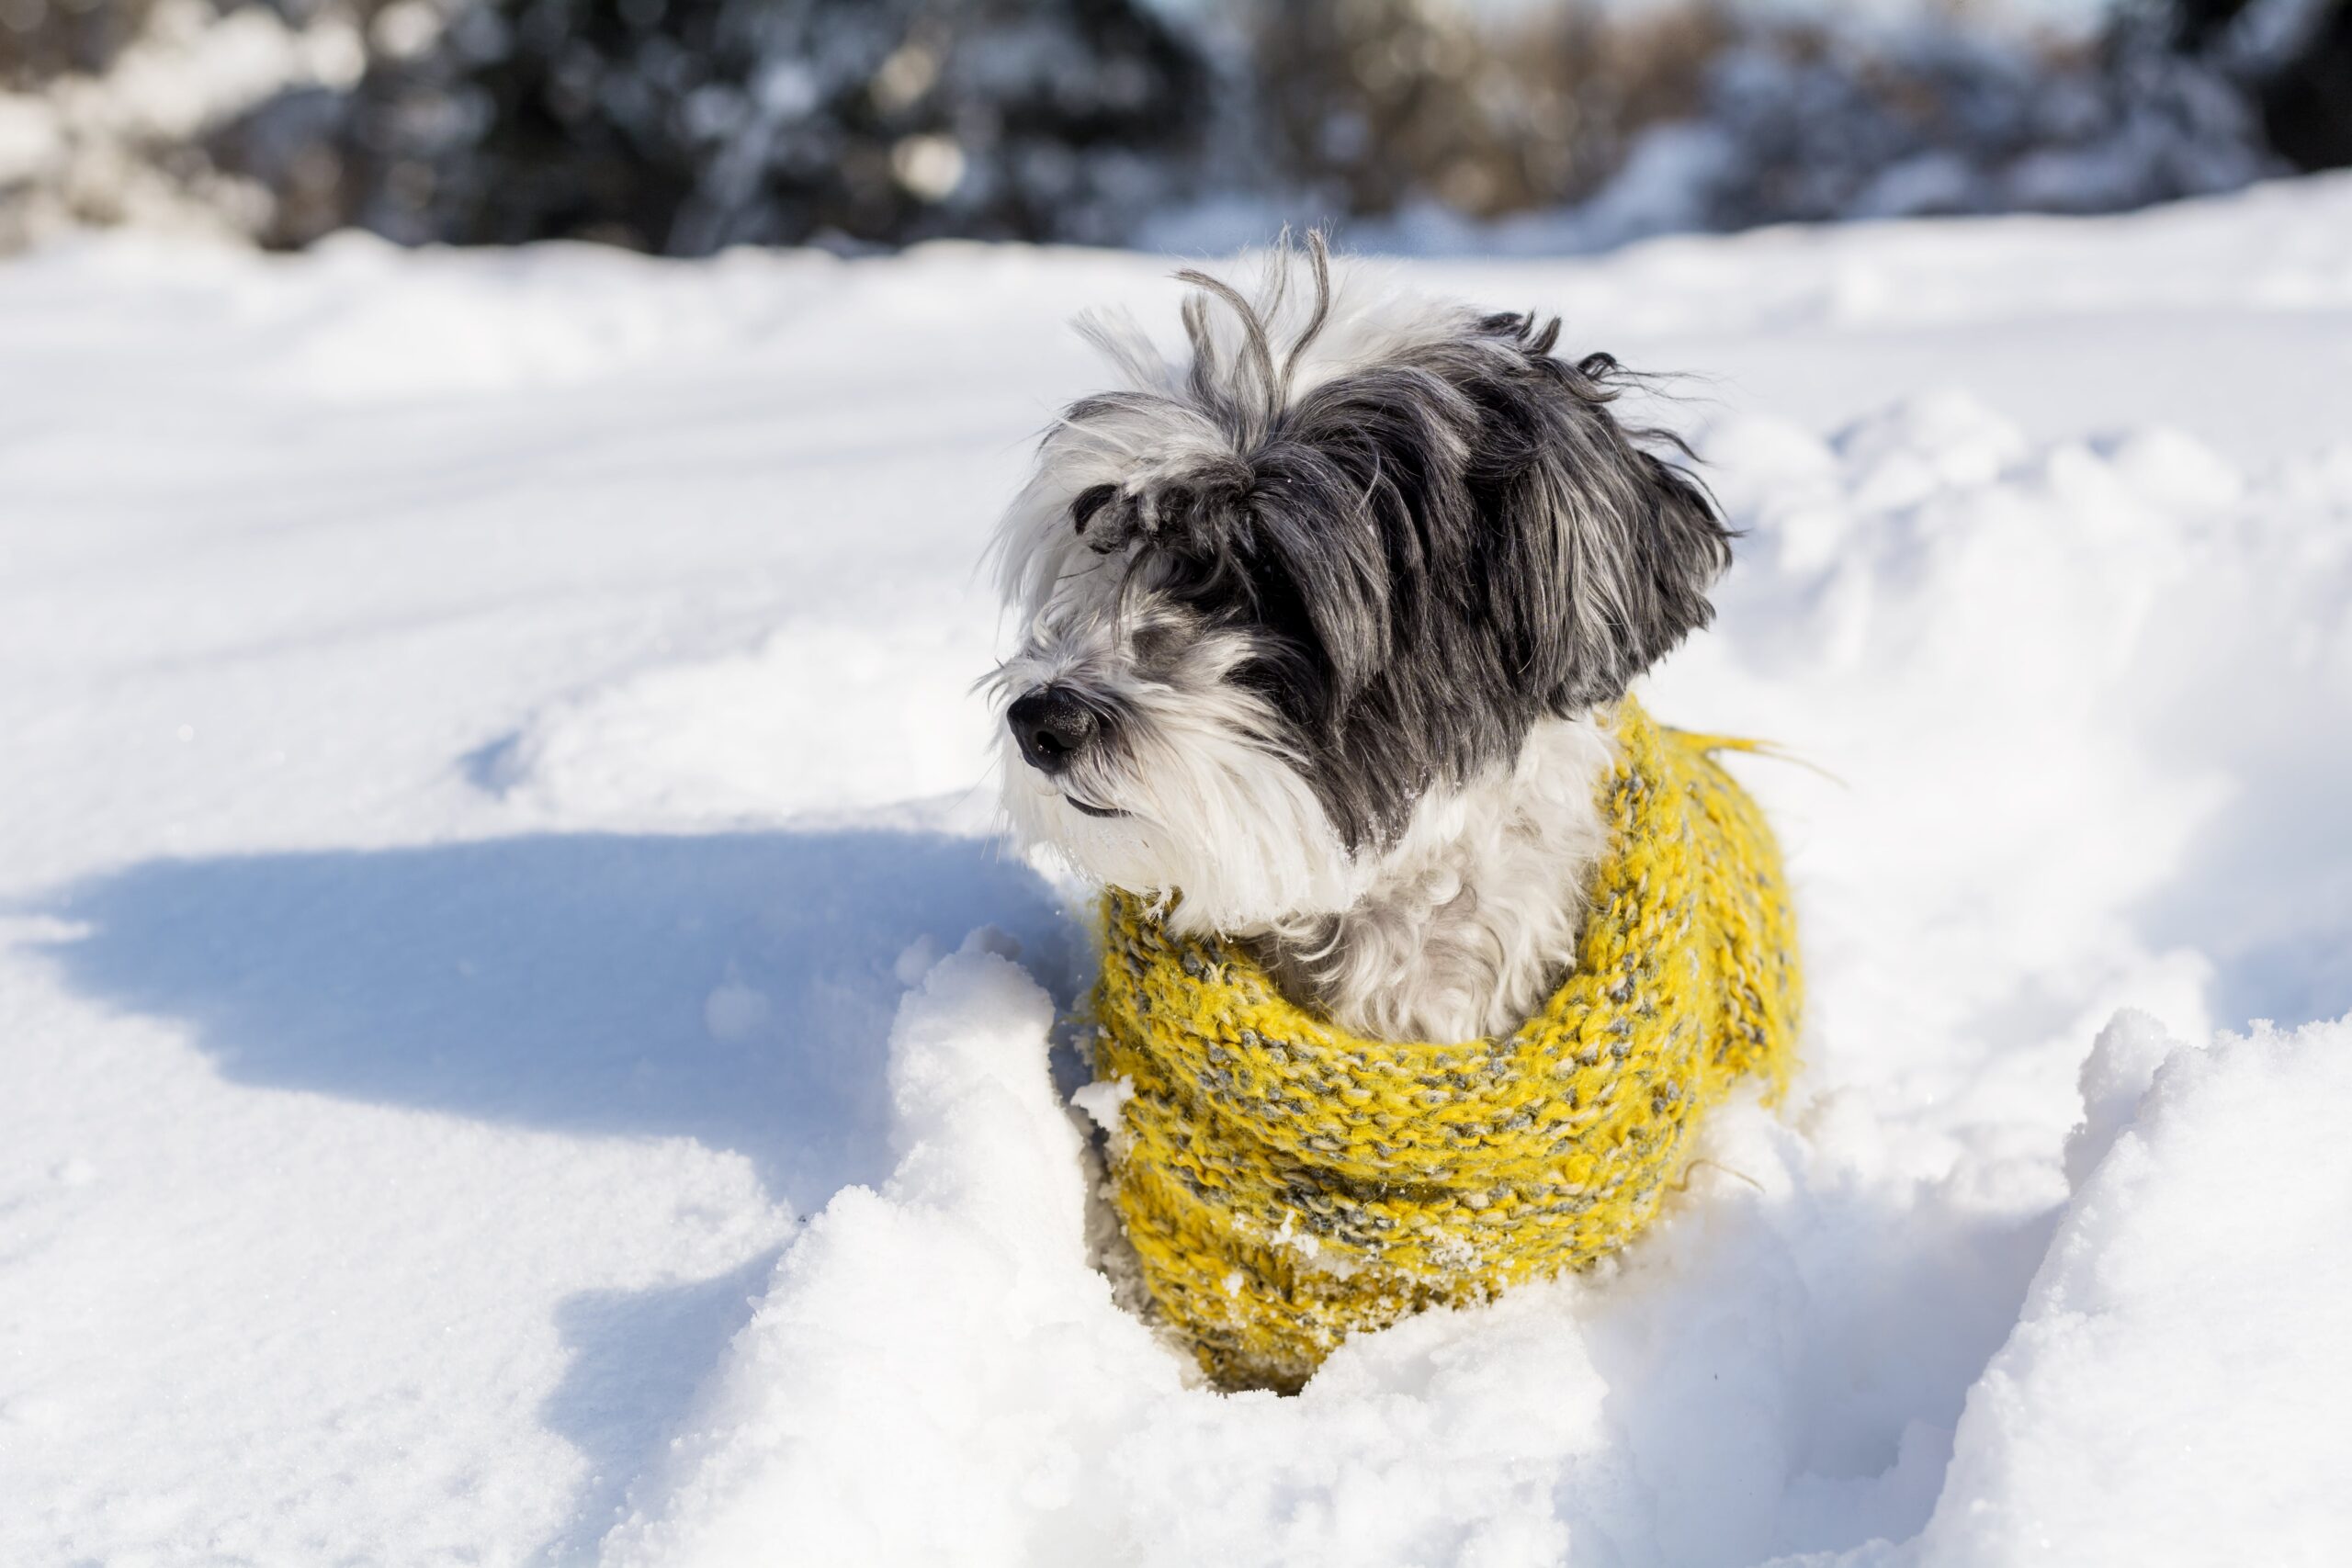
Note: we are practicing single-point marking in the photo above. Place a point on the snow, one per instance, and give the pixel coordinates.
(2141, 1409)
(518, 1043)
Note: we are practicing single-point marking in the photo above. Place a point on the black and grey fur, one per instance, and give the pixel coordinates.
(1313, 622)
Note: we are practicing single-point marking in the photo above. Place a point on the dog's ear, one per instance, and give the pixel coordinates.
(1678, 549)
(1615, 548)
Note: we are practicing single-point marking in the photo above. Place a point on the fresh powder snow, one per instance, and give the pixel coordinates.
(519, 1044)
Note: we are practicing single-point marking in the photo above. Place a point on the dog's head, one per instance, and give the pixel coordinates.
(1280, 597)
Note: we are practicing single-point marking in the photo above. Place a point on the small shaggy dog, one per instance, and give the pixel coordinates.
(1315, 624)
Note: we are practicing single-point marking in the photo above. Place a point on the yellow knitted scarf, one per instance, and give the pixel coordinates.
(1287, 1183)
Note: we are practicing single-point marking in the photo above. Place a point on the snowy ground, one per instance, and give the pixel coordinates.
(492, 1069)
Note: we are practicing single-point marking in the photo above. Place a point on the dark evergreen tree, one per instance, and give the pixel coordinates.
(2297, 66)
(685, 125)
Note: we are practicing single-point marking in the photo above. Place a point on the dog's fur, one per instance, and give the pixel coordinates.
(1326, 608)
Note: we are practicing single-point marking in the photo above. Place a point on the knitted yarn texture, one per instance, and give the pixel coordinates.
(1287, 1183)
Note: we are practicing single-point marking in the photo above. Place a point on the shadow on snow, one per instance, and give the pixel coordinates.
(737, 989)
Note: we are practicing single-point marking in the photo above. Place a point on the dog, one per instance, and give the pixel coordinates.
(1320, 625)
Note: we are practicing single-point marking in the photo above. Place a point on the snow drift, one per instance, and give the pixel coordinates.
(499, 1068)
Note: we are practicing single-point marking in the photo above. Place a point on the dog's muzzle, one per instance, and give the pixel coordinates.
(1055, 727)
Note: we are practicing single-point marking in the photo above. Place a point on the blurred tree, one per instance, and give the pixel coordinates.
(2295, 56)
(685, 125)
(1377, 103)
(41, 39)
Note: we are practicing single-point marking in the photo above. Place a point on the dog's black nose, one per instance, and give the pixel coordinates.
(1052, 725)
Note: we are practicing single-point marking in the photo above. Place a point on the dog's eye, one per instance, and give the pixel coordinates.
(1155, 642)
(1288, 683)
(1091, 500)
(1205, 581)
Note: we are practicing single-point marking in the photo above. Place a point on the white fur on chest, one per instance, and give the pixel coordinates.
(1466, 924)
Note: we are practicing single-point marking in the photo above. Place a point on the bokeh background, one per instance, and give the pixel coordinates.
(1549, 125)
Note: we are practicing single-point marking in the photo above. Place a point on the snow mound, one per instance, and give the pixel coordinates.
(2172, 1391)
(825, 716)
(1732, 1390)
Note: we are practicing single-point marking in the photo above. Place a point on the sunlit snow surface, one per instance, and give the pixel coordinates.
(492, 1068)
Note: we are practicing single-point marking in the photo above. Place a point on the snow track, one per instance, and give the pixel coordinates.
(493, 1068)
